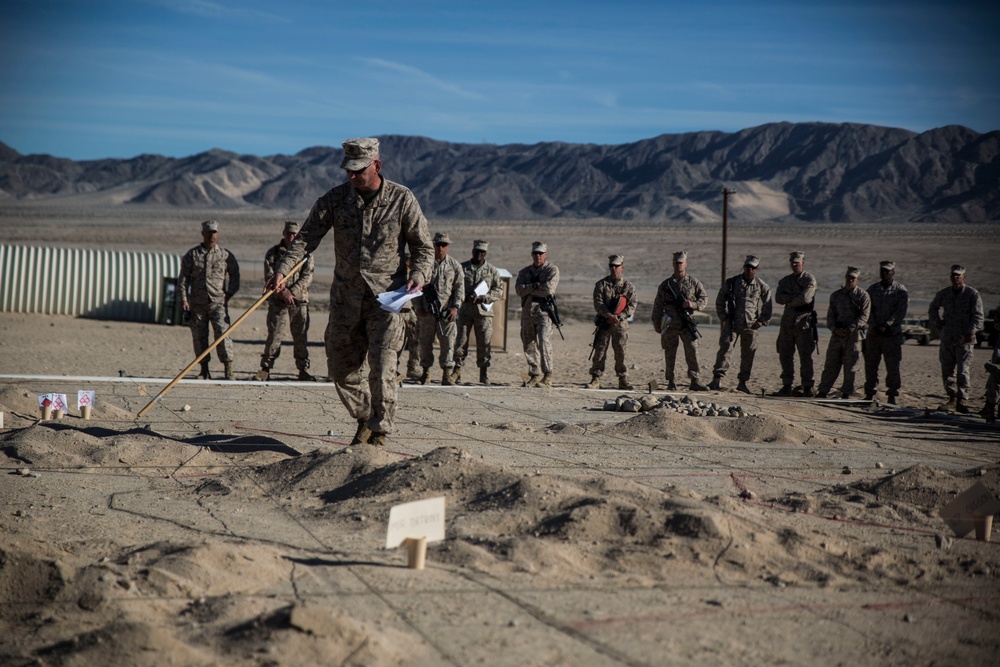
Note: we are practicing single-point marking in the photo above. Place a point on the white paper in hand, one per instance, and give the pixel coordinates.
(394, 301)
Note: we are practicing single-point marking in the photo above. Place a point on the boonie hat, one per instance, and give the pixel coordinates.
(359, 153)
(538, 246)
(210, 226)
(751, 261)
(853, 272)
(442, 237)
(680, 256)
(886, 264)
(957, 270)
(796, 256)
(615, 260)
(292, 227)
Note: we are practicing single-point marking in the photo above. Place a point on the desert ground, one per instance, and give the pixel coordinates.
(233, 525)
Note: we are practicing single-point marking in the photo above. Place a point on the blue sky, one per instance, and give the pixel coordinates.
(89, 79)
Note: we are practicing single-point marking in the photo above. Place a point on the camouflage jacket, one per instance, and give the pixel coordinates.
(368, 240)
(962, 314)
(751, 299)
(889, 305)
(298, 284)
(447, 281)
(797, 294)
(687, 288)
(474, 275)
(208, 276)
(534, 284)
(606, 292)
(849, 309)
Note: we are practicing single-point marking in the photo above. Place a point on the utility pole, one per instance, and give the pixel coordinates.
(725, 228)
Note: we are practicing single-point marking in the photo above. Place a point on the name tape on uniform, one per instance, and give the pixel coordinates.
(421, 518)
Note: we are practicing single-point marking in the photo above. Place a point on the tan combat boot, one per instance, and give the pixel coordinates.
(532, 381)
(623, 383)
(546, 380)
(229, 370)
(595, 382)
(262, 375)
(424, 376)
(456, 375)
(204, 374)
(484, 377)
(363, 434)
(378, 440)
(446, 378)
(949, 406)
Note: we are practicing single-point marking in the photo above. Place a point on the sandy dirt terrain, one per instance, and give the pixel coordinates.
(233, 525)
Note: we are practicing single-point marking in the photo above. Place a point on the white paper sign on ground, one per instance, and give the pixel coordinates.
(84, 397)
(421, 518)
(55, 401)
(46, 400)
(977, 500)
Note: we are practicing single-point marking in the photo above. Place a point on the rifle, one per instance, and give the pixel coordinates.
(602, 323)
(813, 324)
(549, 306)
(731, 305)
(689, 322)
(433, 303)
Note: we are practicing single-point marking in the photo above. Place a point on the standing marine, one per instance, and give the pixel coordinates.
(797, 332)
(890, 301)
(209, 277)
(847, 318)
(676, 299)
(743, 306)
(288, 307)
(536, 285)
(437, 311)
(615, 302)
(958, 311)
(483, 288)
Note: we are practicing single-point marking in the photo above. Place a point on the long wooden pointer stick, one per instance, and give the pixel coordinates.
(218, 340)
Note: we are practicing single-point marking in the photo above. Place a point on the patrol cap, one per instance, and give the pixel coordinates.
(797, 256)
(291, 227)
(886, 264)
(210, 226)
(957, 270)
(751, 261)
(538, 246)
(480, 245)
(359, 153)
(442, 237)
(680, 256)
(853, 272)
(615, 260)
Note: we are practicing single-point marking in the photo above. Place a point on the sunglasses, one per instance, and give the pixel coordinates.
(440, 245)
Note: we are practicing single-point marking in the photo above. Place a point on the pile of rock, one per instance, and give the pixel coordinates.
(684, 405)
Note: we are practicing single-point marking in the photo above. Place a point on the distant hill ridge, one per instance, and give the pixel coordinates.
(808, 171)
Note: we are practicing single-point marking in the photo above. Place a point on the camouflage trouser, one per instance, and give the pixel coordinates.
(359, 331)
(842, 352)
(429, 329)
(410, 344)
(616, 336)
(748, 350)
(483, 326)
(956, 361)
(670, 340)
(296, 317)
(536, 338)
(791, 338)
(200, 316)
(890, 348)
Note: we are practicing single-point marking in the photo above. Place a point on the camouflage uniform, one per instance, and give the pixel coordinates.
(849, 309)
(280, 313)
(533, 285)
(208, 279)
(797, 294)
(674, 333)
(411, 343)
(475, 316)
(959, 314)
(752, 302)
(606, 293)
(447, 282)
(885, 336)
(369, 239)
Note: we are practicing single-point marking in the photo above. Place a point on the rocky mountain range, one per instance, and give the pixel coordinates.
(805, 171)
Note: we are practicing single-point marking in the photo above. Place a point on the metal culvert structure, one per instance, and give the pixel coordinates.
(101, 284)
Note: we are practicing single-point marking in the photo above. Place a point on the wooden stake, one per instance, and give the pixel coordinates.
(215, 343)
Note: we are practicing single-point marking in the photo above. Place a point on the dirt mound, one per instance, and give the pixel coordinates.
(927, 488)
(26, 581)
(662, 423)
